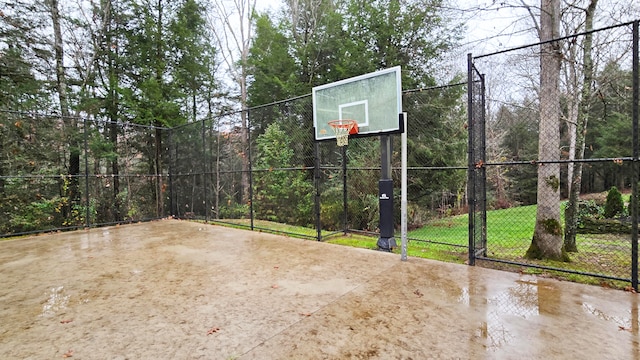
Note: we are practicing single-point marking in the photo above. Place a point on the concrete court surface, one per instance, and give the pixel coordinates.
(181, 290)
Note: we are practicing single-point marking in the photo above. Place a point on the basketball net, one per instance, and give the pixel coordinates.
(343, 128)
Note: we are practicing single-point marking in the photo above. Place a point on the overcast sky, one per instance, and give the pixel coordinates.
(499, 28)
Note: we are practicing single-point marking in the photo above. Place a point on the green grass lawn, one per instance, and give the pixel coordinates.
(511, 228)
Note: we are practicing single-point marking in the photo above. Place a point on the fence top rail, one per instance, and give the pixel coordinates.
(437, 87)
(556, 39)
(279, 102)
(239, 111)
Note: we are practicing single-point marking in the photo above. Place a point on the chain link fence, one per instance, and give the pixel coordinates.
(266, 175)
(589, 156)
(66, 173)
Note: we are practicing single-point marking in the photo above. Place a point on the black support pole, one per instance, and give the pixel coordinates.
(344, 189)
(316, 184)
(386, 241)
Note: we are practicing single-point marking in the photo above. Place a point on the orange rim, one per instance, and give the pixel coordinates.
(351, 125)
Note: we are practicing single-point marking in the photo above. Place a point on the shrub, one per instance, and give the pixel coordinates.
(588, 209)
(234, 211)
(614, 204)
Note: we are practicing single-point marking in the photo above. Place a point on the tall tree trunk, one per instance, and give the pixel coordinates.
(547, 237)
(246, 162)
(112, 109)
(244, 133)
(159, 188)
(572, 120)
(1, 171)
(72, 193)
(571, 212)
(239, 32)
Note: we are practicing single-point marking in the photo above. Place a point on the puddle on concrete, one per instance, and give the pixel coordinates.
(630, 323)
(90, 240)
(495, 334)
(57, 301)
(525, 299)
(521, 299)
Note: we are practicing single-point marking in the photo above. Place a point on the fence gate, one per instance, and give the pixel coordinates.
(504, 149)
(477, 192)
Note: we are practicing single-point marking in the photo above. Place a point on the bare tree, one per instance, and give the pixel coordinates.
(547, 237)
(62, 86)
(578, 129)
(235, 37)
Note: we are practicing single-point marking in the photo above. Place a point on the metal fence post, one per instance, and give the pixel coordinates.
(86, 174)
(172, 201)
(251, 213)
(634, 185)
(483, 168)
(205, 172)
(470, 170)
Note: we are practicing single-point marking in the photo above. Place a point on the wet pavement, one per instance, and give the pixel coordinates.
(181, 290)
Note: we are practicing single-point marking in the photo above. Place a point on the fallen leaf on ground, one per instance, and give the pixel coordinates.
(276, 267)
(66, 321)
(417, 292)
(213, 330)
(630, 289)
(622, 328)
(305, 314)
(68, 354)
(275, 286)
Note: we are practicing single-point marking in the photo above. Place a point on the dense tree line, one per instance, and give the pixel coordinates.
(100, 64)
(609, 137)
(309, 46)
(92, 67)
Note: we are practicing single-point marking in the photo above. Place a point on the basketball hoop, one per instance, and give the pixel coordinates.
(343, 128)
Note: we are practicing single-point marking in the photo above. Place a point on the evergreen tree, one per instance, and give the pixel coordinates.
(273, 69)
(614, 204)
(610, 135)
(384, 33)
(282, 194)
(520, 143)
(191, 41)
